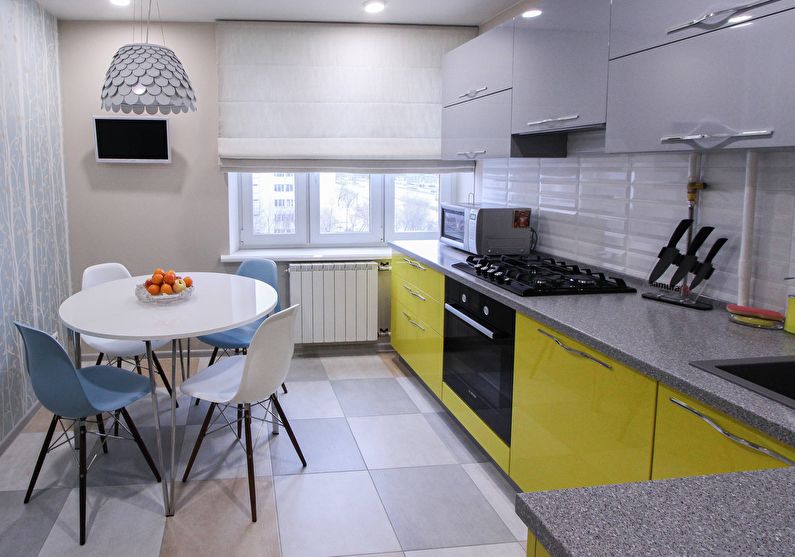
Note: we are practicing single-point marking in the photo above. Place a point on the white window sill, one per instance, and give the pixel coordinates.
(310, 254)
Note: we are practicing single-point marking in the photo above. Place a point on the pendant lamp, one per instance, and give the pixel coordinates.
(145, 77)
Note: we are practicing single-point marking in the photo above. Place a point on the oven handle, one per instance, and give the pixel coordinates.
(471, 322)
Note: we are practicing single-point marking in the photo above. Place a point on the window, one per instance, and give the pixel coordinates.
(338, 208)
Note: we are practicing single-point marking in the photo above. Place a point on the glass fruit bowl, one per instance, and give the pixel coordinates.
(147, 298)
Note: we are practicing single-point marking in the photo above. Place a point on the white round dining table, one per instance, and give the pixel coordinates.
(111, 310)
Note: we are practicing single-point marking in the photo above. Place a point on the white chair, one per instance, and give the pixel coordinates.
(249, 380)
(119, 349)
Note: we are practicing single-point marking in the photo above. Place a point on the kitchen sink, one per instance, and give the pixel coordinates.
(770, 377)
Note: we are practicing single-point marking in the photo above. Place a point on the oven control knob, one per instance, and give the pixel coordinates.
(464, 298)
(485, 310)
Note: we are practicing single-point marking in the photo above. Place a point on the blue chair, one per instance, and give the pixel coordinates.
(74, 394)
(239, 339)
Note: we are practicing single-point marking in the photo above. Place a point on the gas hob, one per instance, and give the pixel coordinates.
(533, 275)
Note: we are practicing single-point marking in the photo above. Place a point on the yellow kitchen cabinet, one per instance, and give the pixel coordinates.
(419, 345)
(687, 444)
(579, 418)
(419, 275)
(420, 303)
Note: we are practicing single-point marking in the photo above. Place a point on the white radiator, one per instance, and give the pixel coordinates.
(339, 301)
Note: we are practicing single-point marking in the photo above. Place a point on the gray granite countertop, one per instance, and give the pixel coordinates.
(748, 513)
(656, 339)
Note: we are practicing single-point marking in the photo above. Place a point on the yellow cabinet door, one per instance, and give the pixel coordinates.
(402, 335)
(419, 345)
(418, 274)
(579, 419)
(427, 309)
(687, 444)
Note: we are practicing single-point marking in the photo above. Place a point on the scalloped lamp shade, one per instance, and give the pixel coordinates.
(147, 78)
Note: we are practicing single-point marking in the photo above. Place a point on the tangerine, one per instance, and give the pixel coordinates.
(159, 271)
(169, 277)
(153, 289)
(188, 281)
(157, 278)
(166, 289)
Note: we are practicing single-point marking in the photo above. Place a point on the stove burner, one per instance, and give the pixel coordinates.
(532, 275)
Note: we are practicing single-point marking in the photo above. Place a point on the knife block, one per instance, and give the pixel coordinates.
(680, 295)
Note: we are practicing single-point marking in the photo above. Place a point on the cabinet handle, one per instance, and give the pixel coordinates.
(733, 437)
(549, 120)
(723, 14)
(407, 316)
(415, 294)
(574, 351)
(472, 92)
(414, 264)
(471, 154)
(697, 136)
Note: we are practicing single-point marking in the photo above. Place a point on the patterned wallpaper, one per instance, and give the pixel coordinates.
(34, 263)
(617, 210)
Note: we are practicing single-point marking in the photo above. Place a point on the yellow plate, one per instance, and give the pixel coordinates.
(755, 322)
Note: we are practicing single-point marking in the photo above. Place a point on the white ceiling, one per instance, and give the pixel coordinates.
(435, 12)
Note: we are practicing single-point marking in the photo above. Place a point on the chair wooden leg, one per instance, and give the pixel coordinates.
(199, 439)
(239, 420)
(82, 466)
(162, 375)
(42, 454)
(252, 490)
(289, 429)
(99, 358)
(138, 365)
(101, 429)
(118, 362)
(284, 388)
(116, 423)
(140, 442)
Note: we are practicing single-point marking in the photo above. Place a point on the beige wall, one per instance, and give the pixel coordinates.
(152, 215)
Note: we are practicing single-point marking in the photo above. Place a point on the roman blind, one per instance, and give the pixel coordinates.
(344, 92)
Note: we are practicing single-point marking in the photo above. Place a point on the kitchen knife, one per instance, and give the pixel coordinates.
(669, 253)
(704, 270)
(690, 259)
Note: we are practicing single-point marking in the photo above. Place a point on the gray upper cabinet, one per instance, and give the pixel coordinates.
(642, 24)
(560, 66)
(732, 88)
(477, 129)
(478, 67)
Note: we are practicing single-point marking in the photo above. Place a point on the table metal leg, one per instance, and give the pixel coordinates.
(181, 361)
(78, 364)
(158, 436)
(172, 472)
(189, 357)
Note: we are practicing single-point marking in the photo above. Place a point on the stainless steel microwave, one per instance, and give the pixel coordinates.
(486, 229)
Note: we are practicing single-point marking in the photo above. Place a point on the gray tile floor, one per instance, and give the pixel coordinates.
(389, 473)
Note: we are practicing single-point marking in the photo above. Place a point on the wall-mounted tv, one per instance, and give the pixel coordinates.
(132, 139)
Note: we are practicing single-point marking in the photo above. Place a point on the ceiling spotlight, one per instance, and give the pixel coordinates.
(374, 6)
(120, 2)
(532, 13)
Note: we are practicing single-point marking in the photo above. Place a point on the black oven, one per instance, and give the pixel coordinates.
(478, 354)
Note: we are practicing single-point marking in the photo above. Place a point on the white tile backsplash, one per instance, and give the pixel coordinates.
(617, 211)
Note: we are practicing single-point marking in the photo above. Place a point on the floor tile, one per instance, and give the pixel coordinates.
(120, 520)
(464, 448)
(396, 367)
(142, 413)
(221, 456)
(373, 397)
(310, 399)
(497, 550)
(332, 514)
(499, 493)
(419, 395)
(328, 446)
(213, 518)
(355, 367)
(438, 506)
(17, 462)
(124, 464)
(306, 369)
(23, 528)
(396, 441)
(391, 554)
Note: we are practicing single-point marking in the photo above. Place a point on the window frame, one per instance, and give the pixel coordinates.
(249, 240)
(445, 183)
